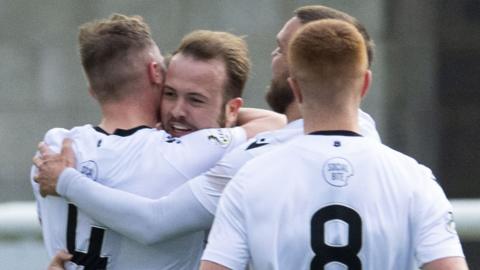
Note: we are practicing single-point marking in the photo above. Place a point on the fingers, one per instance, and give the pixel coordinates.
(43, 193)
(67, 152)
(66, 146)
(50, 165)
(60, 258)
(46, 188)
(44, 149)
(37, 161)
(64, 255)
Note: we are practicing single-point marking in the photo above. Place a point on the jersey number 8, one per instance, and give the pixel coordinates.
(346, 254)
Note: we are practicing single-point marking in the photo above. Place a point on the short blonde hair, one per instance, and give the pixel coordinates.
(330, 53)
(109, 49)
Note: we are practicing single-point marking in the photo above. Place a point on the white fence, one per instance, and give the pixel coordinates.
(467, 218)
(19, 219)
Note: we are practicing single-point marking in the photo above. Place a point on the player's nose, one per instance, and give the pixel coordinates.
(178, 110)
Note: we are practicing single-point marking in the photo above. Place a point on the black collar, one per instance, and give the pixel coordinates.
(335, 132)
(121, 132)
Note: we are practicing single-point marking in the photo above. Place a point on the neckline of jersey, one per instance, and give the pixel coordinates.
(121, 132)
(335, 133)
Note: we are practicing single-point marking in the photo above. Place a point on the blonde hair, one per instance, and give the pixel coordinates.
(110, 50)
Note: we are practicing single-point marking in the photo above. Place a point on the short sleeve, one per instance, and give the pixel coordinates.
(435, 234)
(227, 242)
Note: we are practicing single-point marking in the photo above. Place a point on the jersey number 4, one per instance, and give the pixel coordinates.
(90, 260)
(346, 254)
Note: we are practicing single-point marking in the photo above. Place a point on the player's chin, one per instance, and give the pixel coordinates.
(181, 132)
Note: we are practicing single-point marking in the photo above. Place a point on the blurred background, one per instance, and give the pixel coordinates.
(426, 71)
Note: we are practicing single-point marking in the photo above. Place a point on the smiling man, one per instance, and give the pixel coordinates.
(205, 80)
(125, 75)
(196, 200)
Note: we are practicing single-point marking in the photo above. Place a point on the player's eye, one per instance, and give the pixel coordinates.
(197, 100)
(169, 93)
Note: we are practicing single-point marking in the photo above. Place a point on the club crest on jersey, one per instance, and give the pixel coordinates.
(336, 172)
(220, 137)
(89, 169)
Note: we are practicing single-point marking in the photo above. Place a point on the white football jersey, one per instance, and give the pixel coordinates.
(330, 201)
(208, 187)
(157, 219)
(142, 161)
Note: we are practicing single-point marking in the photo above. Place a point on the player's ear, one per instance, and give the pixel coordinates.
(155, 72)
(231, 111)
(295, 89)
(367, 80)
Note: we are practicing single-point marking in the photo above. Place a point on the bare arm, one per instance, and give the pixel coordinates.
(450, 263)
(258, 120)
(208, 265)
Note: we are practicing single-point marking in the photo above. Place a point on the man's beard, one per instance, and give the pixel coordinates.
(280, 95)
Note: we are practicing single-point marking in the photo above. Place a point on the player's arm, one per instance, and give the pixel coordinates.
(227, 246)
(255, 121)
(437, 245)
(451, 263)
(154, 220)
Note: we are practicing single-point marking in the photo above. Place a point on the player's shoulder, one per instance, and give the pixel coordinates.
(260, 174)
(265, 140)
(416, 175)
(134, 135)
(58, 131)
(257, 146)
(402, 158)
(57, 134)
(275, 159)
(220, 137)
(367, 126)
